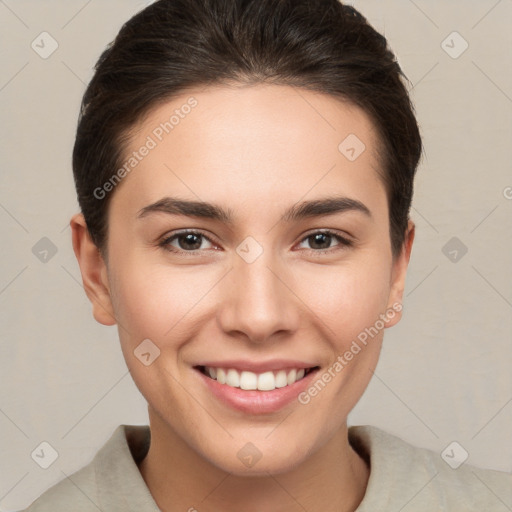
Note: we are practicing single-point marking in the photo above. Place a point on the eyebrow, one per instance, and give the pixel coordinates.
(303, 210)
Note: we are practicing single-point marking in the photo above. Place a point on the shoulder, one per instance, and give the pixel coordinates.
(78, 489)
(418, 479)
(111, 481)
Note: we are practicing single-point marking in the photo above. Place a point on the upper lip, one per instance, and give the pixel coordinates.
(259, 366)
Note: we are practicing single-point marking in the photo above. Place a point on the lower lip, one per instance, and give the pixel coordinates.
(254, 401)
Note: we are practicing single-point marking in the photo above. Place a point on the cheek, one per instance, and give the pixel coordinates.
(346, 298)
(155, 300)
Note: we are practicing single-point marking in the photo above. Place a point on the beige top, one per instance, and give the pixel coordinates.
(403, 478)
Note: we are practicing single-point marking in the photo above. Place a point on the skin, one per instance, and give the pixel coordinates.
(256, 151)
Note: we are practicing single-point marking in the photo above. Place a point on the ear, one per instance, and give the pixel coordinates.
(93, 270)
(398, 274)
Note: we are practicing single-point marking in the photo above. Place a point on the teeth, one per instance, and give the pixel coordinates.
(267, 381)
(248, 380)
(233, 379)
(281, 379)
(221, 375)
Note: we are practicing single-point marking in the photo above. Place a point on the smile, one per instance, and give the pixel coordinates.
(247, 380)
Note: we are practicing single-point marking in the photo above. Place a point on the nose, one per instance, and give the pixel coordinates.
(257, 301)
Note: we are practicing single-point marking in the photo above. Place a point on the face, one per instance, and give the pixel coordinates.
(287, 269)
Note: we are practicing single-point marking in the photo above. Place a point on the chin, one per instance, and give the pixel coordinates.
(246, 458)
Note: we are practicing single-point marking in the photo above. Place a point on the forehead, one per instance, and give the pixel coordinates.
(267, 143)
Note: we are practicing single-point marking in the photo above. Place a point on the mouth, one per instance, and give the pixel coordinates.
(251, 381)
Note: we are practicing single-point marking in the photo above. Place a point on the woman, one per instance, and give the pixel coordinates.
(245, 172)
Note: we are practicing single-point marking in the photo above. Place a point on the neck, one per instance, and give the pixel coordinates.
(332, 479)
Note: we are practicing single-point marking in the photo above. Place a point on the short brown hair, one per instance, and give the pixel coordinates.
(319, 45)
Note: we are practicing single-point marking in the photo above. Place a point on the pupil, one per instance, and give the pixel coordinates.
(318, 238)
(189, 239)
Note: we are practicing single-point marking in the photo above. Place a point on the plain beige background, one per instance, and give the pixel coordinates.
(445, 371)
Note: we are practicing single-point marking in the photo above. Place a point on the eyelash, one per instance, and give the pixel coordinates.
(343, 242)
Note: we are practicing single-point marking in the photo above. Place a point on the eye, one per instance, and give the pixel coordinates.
(190, 241)
(321, 241)
(185, 241)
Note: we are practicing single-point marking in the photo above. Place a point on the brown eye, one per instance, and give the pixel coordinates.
(185, 241)
(190, 241)
(322, 241)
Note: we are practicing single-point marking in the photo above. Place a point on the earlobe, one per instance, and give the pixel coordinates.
(93, 270)
(398, 275)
